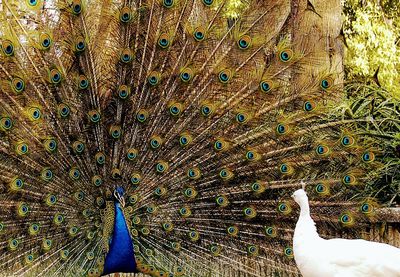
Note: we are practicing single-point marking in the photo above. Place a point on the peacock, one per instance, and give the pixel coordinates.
(316, 256)
(166, 136)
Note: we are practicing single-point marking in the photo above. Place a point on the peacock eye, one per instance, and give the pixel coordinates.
(154, 78)
(97, 181)
(32, 3)
(155, 142)
(186, 75)
(160, 191)
(55, 76)
(63, 110)
(322, 189)
(125, 15)
(270, 231)
(124, 91)
(288, 252)
(168, 3)
(224, 76)
(232, 230)
(21, 148)
(255, 186)
(80, 46)
(208, 2)
(368, 157)
(326, 83)
(347, 141)
(308, 106)
(244, 42)
(281, 129)
(194, 235)
(346, 219)
(222, 201)
(5, 123)
(132, 154)
(163, 42)
(34, 113)
(190, 192)
(175, 109)
(46, 174)
(46, 43)
(74, 174)
(161, 166)
(249, 212)
(286, 55)
(265, 86)
(322, 150)
(115, 131)
(252, 250)
(76, 7)
(18, 85)
(199, 34)
(225, 174)
(206, 110)
(250, 155)
(7, 47)
(241, 117)
(366, 208)
(126, 56)
(142, 115)
(220, 145)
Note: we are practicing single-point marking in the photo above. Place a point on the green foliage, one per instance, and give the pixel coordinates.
(372, 31)
(377, 118)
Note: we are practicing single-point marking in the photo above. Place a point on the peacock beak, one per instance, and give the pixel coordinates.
(120, 198)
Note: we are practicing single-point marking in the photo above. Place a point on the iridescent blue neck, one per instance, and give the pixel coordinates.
(121, 257)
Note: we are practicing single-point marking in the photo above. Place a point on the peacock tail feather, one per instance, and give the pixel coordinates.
(205, 121)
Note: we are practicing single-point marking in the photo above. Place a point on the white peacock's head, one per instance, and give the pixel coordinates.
(299, 196)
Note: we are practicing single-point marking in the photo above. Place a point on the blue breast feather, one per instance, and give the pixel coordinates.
(121, 257)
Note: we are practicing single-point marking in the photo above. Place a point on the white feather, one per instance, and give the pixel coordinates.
(318, 257)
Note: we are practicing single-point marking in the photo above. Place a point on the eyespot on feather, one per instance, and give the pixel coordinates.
(45, 41)
(6, 123)
(7, 47)
(18, 85)
(164, 41)
(286, 55)
(244, 42)
(125, 15)
(199, 34)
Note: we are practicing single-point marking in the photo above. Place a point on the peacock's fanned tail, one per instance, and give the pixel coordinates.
(209, 122)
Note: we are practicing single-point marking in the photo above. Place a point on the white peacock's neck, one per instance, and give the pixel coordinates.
(305, 222)
(304, 208)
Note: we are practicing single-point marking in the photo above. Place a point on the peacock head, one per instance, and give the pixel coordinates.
(300, 195)
(119, 195)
